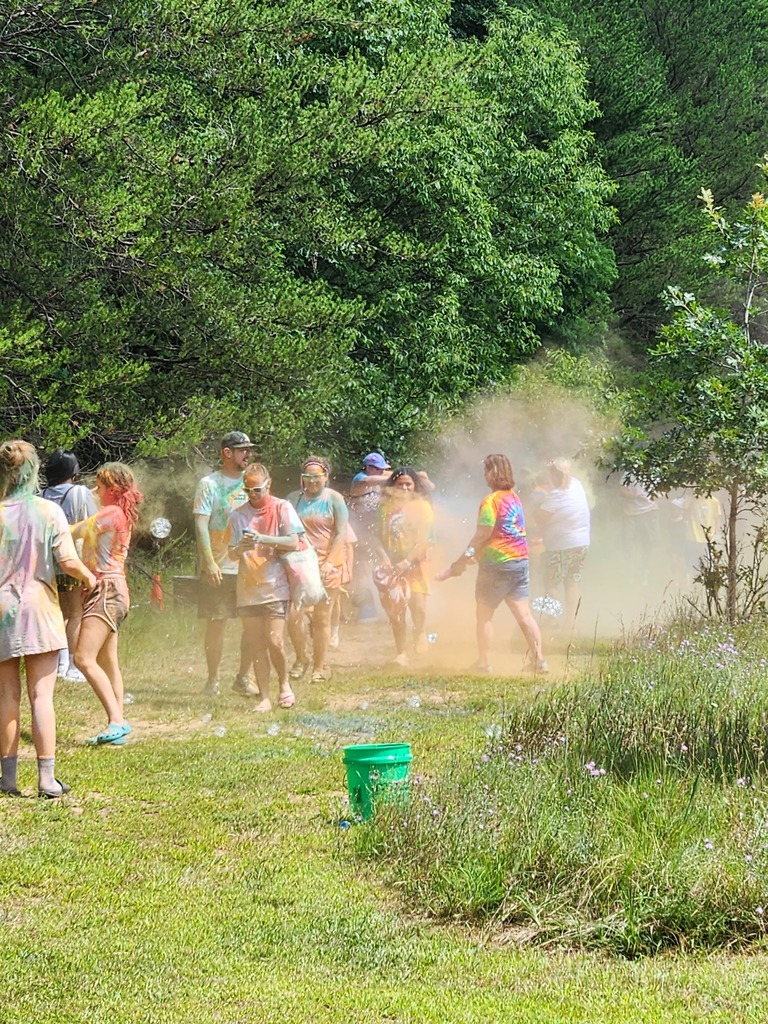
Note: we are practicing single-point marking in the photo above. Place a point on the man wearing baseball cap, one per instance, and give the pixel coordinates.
(218, 494)
(364, 500)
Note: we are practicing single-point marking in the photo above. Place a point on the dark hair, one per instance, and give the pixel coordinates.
(498, 469)
(406, 471)
(61, 465)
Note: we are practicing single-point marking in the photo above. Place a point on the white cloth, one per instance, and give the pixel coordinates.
(34, 537)
(567, 525)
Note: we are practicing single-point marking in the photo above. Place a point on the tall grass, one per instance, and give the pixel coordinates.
(628, 812)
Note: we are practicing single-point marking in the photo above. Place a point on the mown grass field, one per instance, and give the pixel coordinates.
(200, 873)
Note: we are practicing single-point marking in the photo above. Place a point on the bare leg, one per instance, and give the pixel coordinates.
(107, 659)
(399, 628)
(298, 634)
(71, 603)
(528, 624)
(214, 645)
(256, 630)
(321, 632)
(418, 606)
(275, 634)
(484, 627)
(246, 658)
(10, 700)
(94, 634)
(41, 679)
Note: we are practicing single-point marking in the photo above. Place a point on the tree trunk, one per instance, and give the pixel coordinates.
(733, 514)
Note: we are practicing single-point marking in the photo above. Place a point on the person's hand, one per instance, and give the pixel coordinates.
(213, 575)
(402, 568)
(90, 581)
(327, 572)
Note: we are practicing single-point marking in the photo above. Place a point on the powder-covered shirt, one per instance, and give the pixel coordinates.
(567, 526)
(106, 538)
(34, 539)
(75, 500)
(503, 511)
(323, 517)
(217, 496)
(261, 577)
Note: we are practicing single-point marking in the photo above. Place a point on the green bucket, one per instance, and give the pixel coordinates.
(376, 770)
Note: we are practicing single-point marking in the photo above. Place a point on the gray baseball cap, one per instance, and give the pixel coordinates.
(236, 439)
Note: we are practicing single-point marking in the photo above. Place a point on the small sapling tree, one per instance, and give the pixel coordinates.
(700, 418)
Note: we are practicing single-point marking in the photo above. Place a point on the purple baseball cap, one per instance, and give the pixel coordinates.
(376, 460)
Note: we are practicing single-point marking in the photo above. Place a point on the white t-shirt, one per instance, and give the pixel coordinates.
(261, 577)
(567, 526)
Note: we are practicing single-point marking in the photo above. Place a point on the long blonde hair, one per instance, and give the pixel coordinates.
(19, 469)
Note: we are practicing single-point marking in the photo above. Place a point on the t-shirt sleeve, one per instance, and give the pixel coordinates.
(486, 516)
(289, 520)
(340, 513)
(109, 518)
(83, 504)
(204, 498)
(62, 542)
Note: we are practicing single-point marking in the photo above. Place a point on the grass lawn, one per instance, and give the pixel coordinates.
(200, 874)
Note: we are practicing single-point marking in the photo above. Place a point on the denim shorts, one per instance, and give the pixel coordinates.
(499, 581)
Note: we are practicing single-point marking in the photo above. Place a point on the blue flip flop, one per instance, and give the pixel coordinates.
(112, 734)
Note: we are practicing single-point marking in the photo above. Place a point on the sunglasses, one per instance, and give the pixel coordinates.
(312, 476)
(258, 490)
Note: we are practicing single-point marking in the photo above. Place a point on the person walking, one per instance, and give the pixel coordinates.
(217, 495)
(35, 543)
(324, 515)
(259, 532)
(106, 538)
(564, 519)
(77, 503)
(500, 548)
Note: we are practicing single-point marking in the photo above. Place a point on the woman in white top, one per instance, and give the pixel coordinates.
(564, 520)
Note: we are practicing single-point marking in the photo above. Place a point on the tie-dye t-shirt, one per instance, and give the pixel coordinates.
(261, 577)
(34, 538)
(106, 538)
(323, 517)
(502, 510)
(217, 496)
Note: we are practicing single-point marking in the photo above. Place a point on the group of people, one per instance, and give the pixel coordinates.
(63, 592)
(250, 541)
(62, 553)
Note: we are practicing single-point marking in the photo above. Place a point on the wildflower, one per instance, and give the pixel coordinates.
(708, 844)
(645, 796)
(683, 748)
(748, 858)
(759, 911)
(741, 782)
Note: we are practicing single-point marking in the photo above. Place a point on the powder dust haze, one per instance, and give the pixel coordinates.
(624, 584)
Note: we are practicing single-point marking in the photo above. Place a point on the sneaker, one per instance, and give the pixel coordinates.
(74, 675)
(245, 686)
(211, 689)
(63, 666)
(537, 668)
(299, 670)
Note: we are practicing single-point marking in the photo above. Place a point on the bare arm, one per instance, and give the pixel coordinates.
(203, 537)
(74, 567)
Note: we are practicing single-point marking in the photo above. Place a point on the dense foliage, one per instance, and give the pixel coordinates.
(681, 89)
(323, 222)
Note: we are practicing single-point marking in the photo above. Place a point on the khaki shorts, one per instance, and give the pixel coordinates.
(108, 601)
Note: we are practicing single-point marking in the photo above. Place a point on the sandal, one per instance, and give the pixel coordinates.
(321, 676)
(286, 701)
(299, 670)
(112, 734)
(54, 796)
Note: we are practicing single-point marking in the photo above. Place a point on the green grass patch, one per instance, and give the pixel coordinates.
(628, 813)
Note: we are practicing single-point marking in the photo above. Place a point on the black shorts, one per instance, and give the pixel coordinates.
(216, 603)
(270, 610)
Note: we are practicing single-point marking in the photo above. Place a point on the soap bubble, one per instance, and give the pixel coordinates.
(432, 638)
(273, 729)
(220, 731)
(414, 702)
(128, 698)
(206, 719)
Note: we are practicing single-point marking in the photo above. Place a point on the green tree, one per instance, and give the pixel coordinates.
(325, 222)
(681, 89)
(701, 418)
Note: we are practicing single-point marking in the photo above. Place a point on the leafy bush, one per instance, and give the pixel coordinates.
(629, 813)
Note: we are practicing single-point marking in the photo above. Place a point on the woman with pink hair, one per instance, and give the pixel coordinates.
(106, 537)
